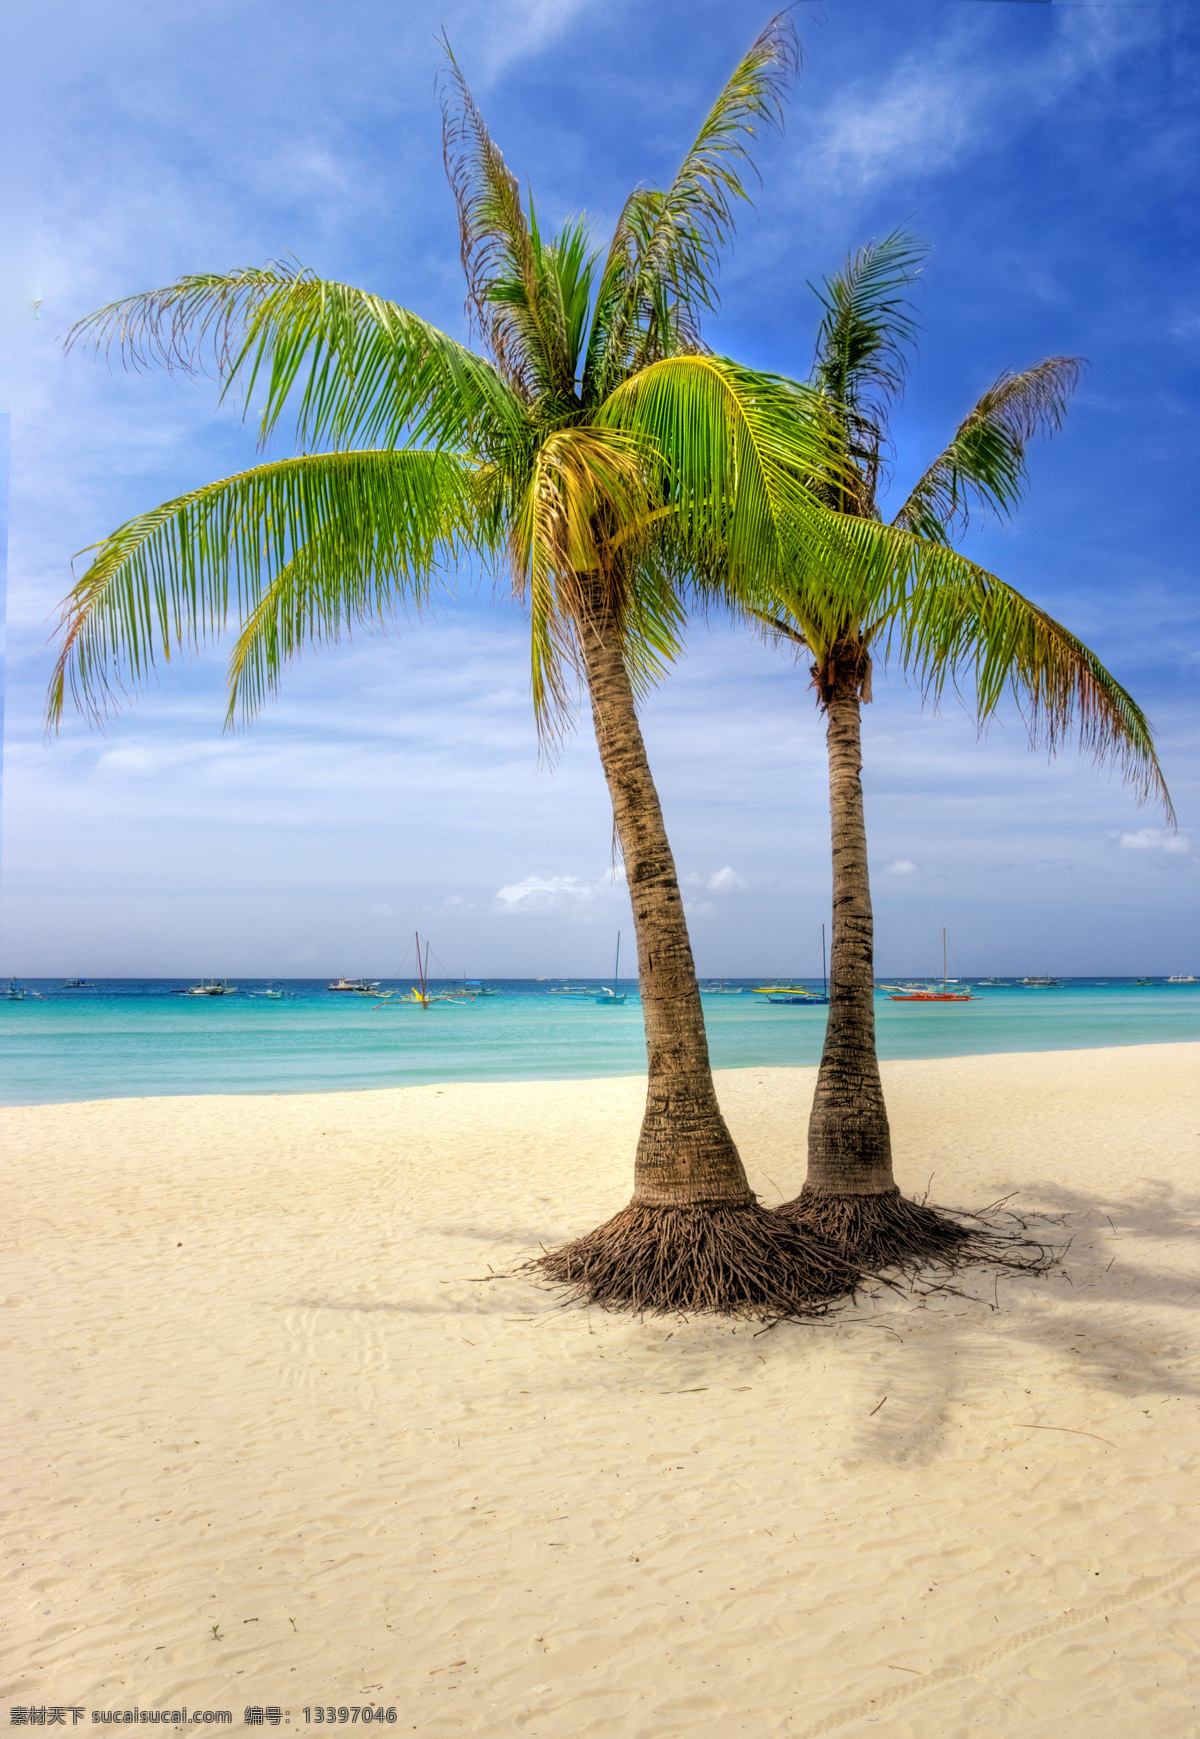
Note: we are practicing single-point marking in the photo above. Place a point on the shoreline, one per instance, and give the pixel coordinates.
(738, 1069)
(272, 1373)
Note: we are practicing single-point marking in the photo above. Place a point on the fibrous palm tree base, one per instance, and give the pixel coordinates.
(890, 1231)
(738, 1261)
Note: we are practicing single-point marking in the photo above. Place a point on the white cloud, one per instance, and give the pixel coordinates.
(382, 911)
(1155, 839)
(726, 881)
(902, 866)
(538, 893)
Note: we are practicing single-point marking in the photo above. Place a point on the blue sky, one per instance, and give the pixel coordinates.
(1048, 154)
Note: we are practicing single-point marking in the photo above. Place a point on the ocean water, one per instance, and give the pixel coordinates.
(128, 1038)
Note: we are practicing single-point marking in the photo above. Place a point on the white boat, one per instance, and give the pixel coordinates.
(566, 988)
(1041, 984)
(613, 998)
(356, 986)
(1183, 978)
(210, 987)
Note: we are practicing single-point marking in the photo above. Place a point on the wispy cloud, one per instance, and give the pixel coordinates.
(726, 881)
(900, 866)
(1156, 839)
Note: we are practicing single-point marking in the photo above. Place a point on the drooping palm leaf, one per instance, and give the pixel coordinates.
(974, 624)
(985, 462)
(364, 532)
(369, 372)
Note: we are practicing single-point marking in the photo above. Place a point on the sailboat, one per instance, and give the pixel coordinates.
(611, 998)
(798, 996)
(933, 993)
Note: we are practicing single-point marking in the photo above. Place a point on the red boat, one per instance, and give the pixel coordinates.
(944, 994)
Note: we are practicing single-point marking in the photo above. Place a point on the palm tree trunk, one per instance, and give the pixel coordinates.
(849, 1195)
(693, 1237)
(849, 1142)
(685, 1153)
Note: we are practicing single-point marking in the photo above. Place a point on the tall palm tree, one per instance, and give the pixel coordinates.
(944, 624)
(593, 450)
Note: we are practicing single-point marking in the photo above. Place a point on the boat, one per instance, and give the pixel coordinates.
(720, 988)
(75, 984)
(936, 992)
(1041, 984)
(210, 987)
(356, 986)
(799, 996)
(1183, 978)
(991, 984)
(1144, 982)
(566, 988)
(274, 992)
(613, 998)
(15, 992)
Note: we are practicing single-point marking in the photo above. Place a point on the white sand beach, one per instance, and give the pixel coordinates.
(273, 1437)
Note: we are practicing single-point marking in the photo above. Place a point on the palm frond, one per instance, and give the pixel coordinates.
(358, 534)
(984, 464)
(949, 620)
(514, 293)
(585, 486)
(862, 343)
(741, 455)
(958, 619)
(369, 372)
(659, 274)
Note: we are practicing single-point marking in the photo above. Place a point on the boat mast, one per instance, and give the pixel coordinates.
(945, 980)
(617, 963)
(421, 969)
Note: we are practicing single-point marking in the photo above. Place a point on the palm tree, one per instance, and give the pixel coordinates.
(942, 622)
(593, 450)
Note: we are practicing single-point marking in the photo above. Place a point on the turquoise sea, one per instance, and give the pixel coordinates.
(129, 1037)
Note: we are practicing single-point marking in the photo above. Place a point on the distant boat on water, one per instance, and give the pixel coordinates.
(611, 998)
(1041, 984)
(936, 992)
(210, 987)
(15, 992)
(566, 988)
(75, 984)
(355, 986)
(720, 988)
(799, 996)
(1183, 978)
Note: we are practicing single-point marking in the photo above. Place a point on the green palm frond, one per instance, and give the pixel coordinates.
(514, 282)
(862, 343)
(985, 462)
(584, 486)
(367, 371)
(659, 274)
(359, 534)
(740, 454)
(949, 620)
(958, 619)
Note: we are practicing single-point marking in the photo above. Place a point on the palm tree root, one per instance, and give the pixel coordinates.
(737, 1261)
(890, 1231)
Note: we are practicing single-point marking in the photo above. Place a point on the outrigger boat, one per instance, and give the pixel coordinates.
(801, 996)
(356, 986)
(210, 987)
(932, 993)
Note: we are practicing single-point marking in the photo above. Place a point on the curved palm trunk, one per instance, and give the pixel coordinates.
(850, 1195)
(693, 1237)
(685, 1153)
